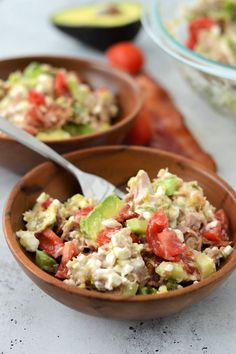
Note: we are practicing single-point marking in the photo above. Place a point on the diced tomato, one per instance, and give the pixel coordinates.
(36, 98)
(222, 218)
(167, 245)
(156, 224)
(104, 235)
(196, 26)
(50, 243)
(82, 213)
(126, 56)
(69, 251)
(46, 203)
(141, 131)
(60, 84)
(213, 234)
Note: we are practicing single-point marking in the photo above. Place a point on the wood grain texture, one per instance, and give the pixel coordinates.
(19, 158)
(117, 164)
(169, 129)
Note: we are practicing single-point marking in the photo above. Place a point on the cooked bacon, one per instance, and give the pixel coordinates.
(170, 131)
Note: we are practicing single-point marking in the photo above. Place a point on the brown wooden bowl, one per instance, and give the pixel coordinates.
(21, 159)
(117, 164)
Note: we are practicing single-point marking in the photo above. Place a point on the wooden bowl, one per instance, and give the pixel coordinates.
(117, 164)
(21, 159)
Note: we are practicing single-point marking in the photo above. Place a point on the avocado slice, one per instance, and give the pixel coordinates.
(100, 25)
(53, 134)
(78, 129)
(138, 226)
(92, 223)
(45, 262)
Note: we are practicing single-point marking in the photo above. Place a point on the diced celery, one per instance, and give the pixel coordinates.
(171, 270)
(205, 265)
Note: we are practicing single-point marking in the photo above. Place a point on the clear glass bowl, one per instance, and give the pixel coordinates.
(216, 82)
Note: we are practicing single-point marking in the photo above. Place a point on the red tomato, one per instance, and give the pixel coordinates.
(156, 224)
(69, 251)
(82, 213)
(126, 56)
(46, 203)
(50, 243)
(213, 234)
(167, 245)
(60, 84)
(36, 98)
(222, 218)
(141, 131)
(104, 235)
(197, 25)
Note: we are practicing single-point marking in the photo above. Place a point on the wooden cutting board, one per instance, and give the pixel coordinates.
(168, 125)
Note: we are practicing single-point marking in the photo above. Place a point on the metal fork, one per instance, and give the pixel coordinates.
(91, 185)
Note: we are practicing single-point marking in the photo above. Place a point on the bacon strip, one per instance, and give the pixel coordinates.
(169, 130)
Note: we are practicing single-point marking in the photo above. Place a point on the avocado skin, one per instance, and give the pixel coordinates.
(102, 37)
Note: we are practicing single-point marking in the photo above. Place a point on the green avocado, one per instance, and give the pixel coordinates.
(78, 129)
(100, 25)
(138, 226)
(92, 223)
(45, 262)
(53, 134)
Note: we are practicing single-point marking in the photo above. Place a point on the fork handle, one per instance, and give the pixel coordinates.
(36, 145)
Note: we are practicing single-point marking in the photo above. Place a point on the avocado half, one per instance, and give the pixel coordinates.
(100, 25)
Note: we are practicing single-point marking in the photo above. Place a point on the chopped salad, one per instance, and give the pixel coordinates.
(54, 103)
(212, 29)
(164, 235)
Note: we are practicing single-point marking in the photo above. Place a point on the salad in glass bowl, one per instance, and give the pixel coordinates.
(55, 103)
(164, 235)
(200, 35)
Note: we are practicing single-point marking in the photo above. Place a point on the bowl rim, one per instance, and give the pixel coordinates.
(156, 29)
(102, 67)
(32, 268)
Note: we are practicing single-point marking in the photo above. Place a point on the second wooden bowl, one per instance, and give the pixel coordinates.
(19, 158)
(117, 164)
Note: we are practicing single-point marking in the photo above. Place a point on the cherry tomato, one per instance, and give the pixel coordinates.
(69, 251)
(36, 98)
(141, 131)
(50, 243)
(126, 56)
(60, 84)
(196, 26)
(104, 235)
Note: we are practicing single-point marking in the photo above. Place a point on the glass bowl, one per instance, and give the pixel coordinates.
(216, 82)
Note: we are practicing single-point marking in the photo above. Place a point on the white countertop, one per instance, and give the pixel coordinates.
(32, 322)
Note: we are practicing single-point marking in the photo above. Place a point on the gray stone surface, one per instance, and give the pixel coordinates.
(32, 322)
